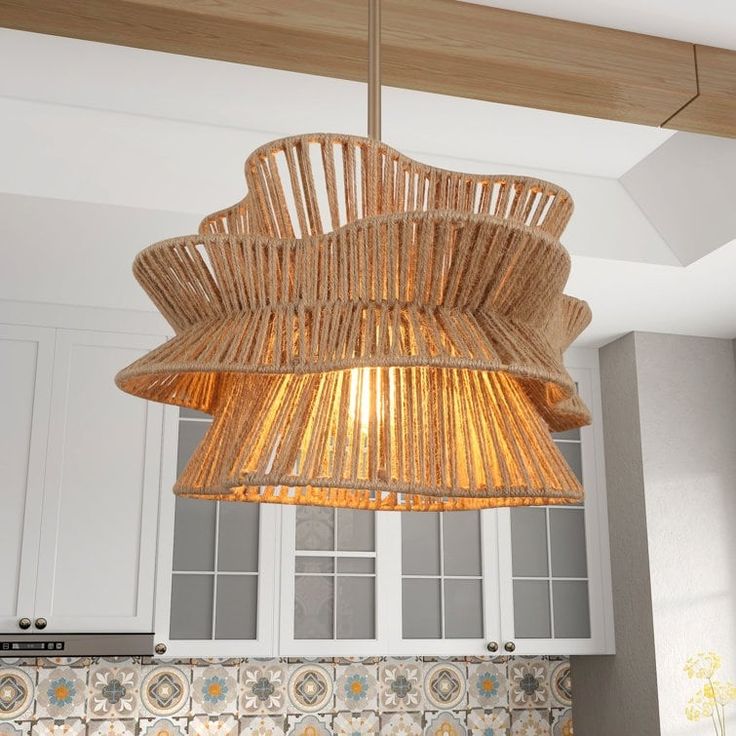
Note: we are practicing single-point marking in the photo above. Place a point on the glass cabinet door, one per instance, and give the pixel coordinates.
(552, 587)
(221, 572)
(449, 599)
(329, 580)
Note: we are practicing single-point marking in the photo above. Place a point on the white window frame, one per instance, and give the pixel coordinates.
(584, 368)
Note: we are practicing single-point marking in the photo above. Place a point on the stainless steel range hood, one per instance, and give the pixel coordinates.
(75, 645)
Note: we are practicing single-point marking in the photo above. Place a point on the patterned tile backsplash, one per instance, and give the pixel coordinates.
(516, 696)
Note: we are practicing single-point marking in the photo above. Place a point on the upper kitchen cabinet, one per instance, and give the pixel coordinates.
(82, 465)
(98, 530)
(215, 592)
(555, 583)
(26, 364)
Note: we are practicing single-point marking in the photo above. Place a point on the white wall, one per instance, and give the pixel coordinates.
(64, 252)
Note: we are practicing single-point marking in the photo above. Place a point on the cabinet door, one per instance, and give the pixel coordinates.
(335, 594)
(98, 533)
(215, 590)
(448, 582)
(26, 355)
(554, 560)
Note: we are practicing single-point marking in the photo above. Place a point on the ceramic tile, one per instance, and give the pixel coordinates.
(51, 727)
(407, 723)
(262, 726)
(214, 689)
(263, 687)
(562, 722)
(445, 685)
(311, 688)
(165, 689)
(529, 683)
(17, 692)
(445, 723)
(162, 726)
(400, 685)
(356, 724)
(111, 727)
(308, 725)
(113, 690)
(61, 693)
(495, 722)
(530, 723)
(560, 683)
(356, 687)
(225, 724)
(16, 728)
(488, 685)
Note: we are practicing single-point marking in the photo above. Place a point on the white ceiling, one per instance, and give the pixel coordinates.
(93, 134)
(708, 22)
(275, 103)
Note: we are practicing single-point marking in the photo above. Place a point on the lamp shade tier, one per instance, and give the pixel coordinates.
(423, 439)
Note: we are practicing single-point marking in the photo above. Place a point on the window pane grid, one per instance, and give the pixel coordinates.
(225, 550)
(436, 577)
(564, 548)
(342, 592)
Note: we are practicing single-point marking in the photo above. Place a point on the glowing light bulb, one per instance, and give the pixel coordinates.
(359, 405)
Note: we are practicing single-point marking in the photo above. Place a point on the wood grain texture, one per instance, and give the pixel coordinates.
(713, 111)
(439, 46)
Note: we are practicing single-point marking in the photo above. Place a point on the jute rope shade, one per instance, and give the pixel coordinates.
(370, 332)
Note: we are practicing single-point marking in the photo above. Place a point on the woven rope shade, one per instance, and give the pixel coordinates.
(370, 332)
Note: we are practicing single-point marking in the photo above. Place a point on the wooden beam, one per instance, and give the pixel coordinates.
(438, 46)
(713, 111)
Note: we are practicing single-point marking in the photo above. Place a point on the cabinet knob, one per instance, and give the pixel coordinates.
(24, 623)
(160, 648)
(509, 646)
(41, 623)
(492, 646)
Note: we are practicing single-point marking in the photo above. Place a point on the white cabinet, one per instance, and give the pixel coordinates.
(26, 361)
(526, 580)
(91, 528)
(554, 564)
(236, 579)
(98, 531)
(83, 464)
(217, 562)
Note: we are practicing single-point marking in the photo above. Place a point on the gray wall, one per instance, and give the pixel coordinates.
(669, 405)
(603, 684)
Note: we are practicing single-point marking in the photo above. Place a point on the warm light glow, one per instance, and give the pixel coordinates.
(363, 402)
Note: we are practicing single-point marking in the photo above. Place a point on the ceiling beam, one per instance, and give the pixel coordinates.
(713, 111)
(439, 46)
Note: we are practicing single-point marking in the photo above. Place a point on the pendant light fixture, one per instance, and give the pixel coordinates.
(370, 332)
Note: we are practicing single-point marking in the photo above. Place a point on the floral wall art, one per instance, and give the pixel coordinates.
(515, 696)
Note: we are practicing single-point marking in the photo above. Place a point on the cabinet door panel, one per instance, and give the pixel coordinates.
(449, 589)
(101, 490)
(331, 581)
(555, 591)
(216, 565)
(26, 355)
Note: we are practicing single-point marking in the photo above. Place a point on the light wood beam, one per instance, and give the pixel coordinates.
(713, 111)
(438, 46)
